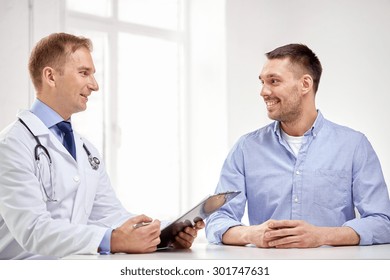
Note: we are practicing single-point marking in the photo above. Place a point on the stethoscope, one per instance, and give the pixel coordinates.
(93, 161)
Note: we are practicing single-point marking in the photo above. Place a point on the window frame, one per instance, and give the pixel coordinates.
(112, 26)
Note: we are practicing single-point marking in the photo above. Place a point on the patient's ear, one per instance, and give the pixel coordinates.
(307, 83)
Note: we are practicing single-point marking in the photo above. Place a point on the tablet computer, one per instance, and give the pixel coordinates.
(201, 211)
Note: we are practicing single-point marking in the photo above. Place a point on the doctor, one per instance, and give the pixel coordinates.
(55, 195)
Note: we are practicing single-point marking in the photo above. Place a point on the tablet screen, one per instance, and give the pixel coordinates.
(200, 212)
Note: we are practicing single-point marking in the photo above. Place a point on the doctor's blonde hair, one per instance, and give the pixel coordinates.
(52, 51)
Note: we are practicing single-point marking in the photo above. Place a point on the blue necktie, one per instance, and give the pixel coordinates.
(69, 144)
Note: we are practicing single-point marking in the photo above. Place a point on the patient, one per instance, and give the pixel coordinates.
(302, 176)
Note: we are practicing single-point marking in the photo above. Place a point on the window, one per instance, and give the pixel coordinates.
(134, 119)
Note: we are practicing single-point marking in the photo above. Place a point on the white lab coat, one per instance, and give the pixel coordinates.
(31, 226)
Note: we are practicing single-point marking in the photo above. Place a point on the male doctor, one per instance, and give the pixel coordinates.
(55, 195)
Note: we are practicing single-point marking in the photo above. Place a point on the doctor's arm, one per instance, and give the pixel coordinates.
(144, 239)
(108, 211)
(129, 239)
(25, 211)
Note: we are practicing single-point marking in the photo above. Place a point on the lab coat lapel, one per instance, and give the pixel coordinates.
(38, 128)
(50, 141)
(78, 213)
(60, 147)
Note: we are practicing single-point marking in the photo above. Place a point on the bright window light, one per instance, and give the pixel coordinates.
(101, 8)
(156, 13)
(148, 155)
(134, 118)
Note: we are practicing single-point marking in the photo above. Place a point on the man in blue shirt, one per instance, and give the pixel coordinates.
(302, 177)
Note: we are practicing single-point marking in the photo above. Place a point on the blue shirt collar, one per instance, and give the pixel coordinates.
(46, 114)
(315, 128)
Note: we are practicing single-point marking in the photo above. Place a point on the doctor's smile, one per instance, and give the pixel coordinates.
(85, 97)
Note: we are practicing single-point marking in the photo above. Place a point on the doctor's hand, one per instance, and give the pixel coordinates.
(128, 239)
(185, 238)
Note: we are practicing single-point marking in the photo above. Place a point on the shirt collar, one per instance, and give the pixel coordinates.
(317, 125)
(46, 114)
(315, 128)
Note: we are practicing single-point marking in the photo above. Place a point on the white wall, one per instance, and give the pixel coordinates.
(207, 99)
(351, 37)
(14, 81)
(22, 24)
(352, 40)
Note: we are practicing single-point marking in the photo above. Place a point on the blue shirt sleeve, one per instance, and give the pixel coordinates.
(105, 245)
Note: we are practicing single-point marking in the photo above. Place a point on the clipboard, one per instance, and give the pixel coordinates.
(201, 211)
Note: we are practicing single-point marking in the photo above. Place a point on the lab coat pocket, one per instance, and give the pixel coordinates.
(331, 188)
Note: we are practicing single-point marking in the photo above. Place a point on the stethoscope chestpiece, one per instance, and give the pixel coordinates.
(94, 162)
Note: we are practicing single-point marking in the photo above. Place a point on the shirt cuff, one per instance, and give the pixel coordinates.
(105, 244)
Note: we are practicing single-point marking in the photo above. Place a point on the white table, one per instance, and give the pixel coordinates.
(205, 251)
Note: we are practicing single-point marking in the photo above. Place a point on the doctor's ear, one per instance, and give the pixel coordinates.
(49, 76)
